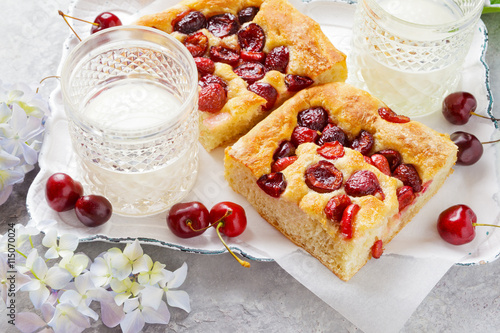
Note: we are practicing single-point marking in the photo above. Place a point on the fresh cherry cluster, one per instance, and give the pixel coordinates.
(63, 193)
(248, 59)
(456, 224)
(190, 219)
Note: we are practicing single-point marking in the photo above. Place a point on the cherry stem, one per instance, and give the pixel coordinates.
(45, 78)
(485, 225)
(494, 141)
(485, 117)
(242, 262)
(75, 18)
(190, 224)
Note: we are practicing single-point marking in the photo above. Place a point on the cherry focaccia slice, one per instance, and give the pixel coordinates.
(251, 55)
(338, 173)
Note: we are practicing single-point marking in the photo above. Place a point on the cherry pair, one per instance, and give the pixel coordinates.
(63, 193)
(458, 107)
(190, 219)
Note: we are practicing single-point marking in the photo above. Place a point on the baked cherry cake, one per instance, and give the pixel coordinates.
(339, 173)
(251, 56)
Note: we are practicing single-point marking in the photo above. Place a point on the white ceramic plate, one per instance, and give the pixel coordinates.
(260, 241)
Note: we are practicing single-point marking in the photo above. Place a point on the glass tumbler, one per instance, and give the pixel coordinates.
(131, 97)
(410, 53)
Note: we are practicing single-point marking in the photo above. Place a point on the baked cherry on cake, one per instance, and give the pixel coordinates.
(339, 173)
(251, 56)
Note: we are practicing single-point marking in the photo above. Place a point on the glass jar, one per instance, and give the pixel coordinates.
(131, 97)
(410, 53)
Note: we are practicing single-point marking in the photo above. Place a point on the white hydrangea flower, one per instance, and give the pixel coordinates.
(25, 97)
(137, 315)
(152, 296)
(154, 273)
(67, 318)
(55, 278)
(20, 136)
(129, 261)
(66, 245)
(101, 269)
(75, 264)
(125, 289)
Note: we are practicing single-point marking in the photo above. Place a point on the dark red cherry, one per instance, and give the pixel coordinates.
(391, 116)
(302, 135)
(297, 82)
(252, 38)
(335, 207)
(250, 71)
(266, 91)
(197, 44)
(204, 65)
(470, 149)
(315, 118)
(363, 142)
(331, 150)
(333, 133)
(346, 223)
(225, 55)
(323, 177)
(62, 192)
(393, 157)
(188, 219)
(93, 210)
(223, 25)
(231, 215)
(212, 98)
(273, 184)
(210, 78)
(282, 163)
(189, 22)
(285, 149)
(409, 176)
(361, 183)
(105, 20)
(405, 196)
(456, 225)
(458, 107)
(277, 59)
(247, 14)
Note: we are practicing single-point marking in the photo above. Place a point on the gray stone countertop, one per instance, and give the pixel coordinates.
(225, 298)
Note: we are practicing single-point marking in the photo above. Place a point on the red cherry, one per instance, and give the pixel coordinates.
(456, 225)
(62, 192)
(458, 107)
(229, 218)
(105, 20)
(188, 219)
(470, 149)
(93, 210)
(231, 215)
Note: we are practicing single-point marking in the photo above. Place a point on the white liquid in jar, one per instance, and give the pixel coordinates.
(408, 67)
(139, 175)
(132, 105)
(427, 12)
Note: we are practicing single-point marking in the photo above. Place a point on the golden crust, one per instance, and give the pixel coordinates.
(433, 154)
(311, 54)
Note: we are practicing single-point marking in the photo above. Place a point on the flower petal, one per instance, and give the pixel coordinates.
(68, 242)
(28, 322)
(179, 299)
(57, 277)
(179, 277)
(151, 296)
(133, 250)
(133, 322)
(39, 296)
(142, 264)
(159, 316)
(111, 313)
